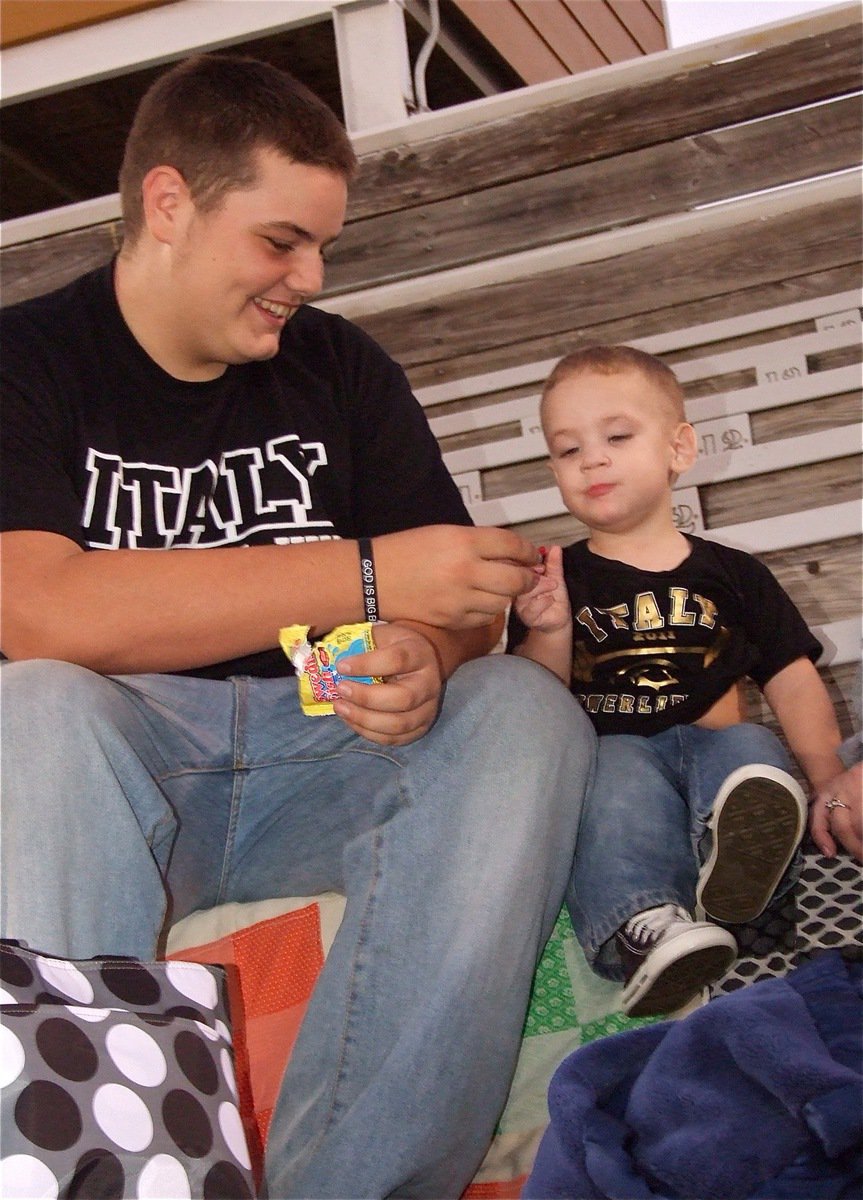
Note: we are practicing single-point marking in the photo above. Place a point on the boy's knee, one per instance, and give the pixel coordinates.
(45, 700)
(750, 743)
(508, 687)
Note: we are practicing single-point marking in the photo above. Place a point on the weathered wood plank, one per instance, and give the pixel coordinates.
(622, 190)
(589, 128)
(809, 417)
(37, 267)
(527, 213)
(492, 415)
(467, 424)
(809, 486)
(716, 463)
(838, 311)
(823, 578)
(592, 294)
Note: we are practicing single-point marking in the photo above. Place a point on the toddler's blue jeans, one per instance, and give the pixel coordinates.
(641, 841)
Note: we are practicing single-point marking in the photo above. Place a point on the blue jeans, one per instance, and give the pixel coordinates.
(641, 841)
(128, 802)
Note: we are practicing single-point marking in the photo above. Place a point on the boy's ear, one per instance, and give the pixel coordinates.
(166, 201)
(684, 445)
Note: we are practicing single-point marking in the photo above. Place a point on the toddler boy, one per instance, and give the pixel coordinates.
(654, 631)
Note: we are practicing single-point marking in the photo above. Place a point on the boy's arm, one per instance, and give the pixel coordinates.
(453, 647)
(547, 613)
(551, 650)
(131, 611)
(800, 701)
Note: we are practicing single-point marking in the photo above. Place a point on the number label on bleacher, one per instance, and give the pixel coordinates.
(781, 370)
(470, 486)
(723, 434)
(850, 319)
(686, 506)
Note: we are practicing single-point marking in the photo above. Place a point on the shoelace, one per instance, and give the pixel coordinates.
(646, 927)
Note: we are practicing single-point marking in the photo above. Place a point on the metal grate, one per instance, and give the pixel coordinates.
(824, 911)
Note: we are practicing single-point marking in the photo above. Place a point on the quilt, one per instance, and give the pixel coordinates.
(273, 952)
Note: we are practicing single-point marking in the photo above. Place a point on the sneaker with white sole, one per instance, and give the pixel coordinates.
(758, 821)
(668, 959)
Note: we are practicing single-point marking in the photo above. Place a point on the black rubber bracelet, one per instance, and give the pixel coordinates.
(369, 581)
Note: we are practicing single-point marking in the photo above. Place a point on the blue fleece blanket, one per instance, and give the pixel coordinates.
(757, 1094)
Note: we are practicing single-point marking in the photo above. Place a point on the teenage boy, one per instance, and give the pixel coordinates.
(654, 632)
(191, 454)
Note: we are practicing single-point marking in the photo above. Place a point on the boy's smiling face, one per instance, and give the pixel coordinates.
(616, 444)
(241, 271)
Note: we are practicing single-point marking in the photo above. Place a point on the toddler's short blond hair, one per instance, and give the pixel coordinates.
(614, 360)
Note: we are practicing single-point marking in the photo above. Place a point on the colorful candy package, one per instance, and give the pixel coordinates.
(316, 663)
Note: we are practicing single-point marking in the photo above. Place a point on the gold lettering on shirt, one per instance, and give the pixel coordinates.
(678, 614)
(619, 615)
(586, 618)
(647, 614)
(708, 611)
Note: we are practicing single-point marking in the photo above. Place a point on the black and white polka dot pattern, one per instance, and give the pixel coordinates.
(117, 1081)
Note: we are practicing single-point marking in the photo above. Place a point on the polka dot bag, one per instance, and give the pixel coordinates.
(117, 1081)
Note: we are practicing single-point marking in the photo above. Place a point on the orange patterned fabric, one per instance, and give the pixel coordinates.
(272, 967)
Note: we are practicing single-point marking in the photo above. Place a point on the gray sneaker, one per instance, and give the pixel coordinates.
(668, 959)
(758, 820)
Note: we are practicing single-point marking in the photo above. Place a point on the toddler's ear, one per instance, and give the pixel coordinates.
(684, 445)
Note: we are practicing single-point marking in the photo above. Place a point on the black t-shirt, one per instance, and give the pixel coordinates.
(652, 649)
(101, 445)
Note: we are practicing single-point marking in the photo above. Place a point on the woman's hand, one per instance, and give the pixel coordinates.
(836, 814)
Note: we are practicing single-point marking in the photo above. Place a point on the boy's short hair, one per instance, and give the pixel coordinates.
(208, 116)
(613, 360)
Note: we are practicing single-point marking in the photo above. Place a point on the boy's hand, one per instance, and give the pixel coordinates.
(546, 606)
(451, 576)
(405, 706)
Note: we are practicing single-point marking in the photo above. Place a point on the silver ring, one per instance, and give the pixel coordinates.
(834, 803)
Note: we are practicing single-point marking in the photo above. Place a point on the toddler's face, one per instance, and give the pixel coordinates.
(615, 445)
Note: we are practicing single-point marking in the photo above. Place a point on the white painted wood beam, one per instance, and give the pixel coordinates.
(145, 39)
(374, 66)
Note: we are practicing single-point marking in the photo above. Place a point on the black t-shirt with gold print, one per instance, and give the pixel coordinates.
(652, 649)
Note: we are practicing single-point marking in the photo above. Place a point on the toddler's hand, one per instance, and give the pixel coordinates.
(546, 606)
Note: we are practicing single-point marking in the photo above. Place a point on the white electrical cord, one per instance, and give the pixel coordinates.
(424, 55)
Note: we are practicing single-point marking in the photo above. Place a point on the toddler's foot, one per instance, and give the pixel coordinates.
(668, 959)
(757, 822)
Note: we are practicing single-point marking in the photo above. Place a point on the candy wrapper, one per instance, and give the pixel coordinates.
(317, 663)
